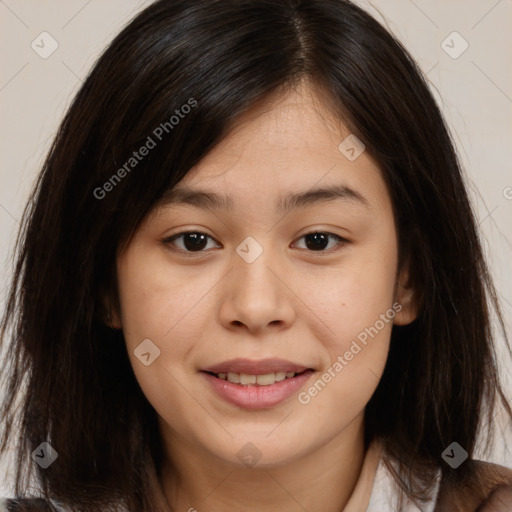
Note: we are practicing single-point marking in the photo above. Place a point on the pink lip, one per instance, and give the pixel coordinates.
(261, 367)
(257, 397)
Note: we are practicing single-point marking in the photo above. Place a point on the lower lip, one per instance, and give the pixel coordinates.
(254, 396)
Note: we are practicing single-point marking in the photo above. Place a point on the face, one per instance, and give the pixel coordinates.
(263, 286)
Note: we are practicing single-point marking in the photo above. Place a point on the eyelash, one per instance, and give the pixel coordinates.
(170, 242)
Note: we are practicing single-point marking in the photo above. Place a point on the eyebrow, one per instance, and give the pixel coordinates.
(214, 201)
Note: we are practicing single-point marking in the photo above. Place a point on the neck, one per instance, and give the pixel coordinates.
(323, 479)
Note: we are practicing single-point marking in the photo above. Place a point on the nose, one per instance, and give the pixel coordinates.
(256, 296)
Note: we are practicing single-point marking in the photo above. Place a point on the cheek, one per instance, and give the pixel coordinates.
(359, 315)
(353, 297)
(356, 306)
(156, 300)
(160, 305)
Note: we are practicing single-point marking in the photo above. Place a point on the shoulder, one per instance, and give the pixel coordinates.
(484, 486)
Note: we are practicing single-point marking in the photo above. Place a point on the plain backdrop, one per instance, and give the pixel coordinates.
(472, 85)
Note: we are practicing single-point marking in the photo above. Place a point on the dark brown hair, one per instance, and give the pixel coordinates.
(69, 379)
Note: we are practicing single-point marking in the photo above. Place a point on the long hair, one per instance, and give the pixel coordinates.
(68, 380)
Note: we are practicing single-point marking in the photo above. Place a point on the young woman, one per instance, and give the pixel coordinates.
(249, 279)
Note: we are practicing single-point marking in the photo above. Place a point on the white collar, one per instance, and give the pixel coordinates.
(377, 491)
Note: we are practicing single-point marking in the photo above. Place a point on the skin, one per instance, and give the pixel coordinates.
(292, 302)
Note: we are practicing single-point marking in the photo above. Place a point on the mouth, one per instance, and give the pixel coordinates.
(267, 379)
(249, 367)
(256, 384)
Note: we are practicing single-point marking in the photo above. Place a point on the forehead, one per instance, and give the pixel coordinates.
(283, 151)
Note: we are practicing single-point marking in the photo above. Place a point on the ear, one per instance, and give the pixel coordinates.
(406, 296)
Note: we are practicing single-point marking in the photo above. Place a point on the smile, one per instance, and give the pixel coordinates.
(263, 391)
(260, 380)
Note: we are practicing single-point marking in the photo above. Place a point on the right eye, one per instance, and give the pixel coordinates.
(189, 241)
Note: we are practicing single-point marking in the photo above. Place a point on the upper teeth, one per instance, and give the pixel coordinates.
(262, 380)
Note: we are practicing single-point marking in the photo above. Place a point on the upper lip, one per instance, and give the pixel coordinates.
(261, 367)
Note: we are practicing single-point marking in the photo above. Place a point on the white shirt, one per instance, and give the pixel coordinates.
(377, 491)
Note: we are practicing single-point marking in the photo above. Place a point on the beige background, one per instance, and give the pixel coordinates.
(473, 90)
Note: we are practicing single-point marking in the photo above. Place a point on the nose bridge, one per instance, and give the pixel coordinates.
(252, 264)
(256, 297)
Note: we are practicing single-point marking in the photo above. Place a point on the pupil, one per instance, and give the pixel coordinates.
(194, 241)
(317, 241)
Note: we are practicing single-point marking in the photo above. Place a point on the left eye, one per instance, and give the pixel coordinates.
(319, 240)
(195, 241)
